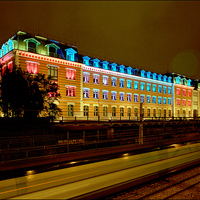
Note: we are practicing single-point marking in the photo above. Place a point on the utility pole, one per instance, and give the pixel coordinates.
(141, 126)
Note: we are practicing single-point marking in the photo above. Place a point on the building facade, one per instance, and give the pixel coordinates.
(95, 88)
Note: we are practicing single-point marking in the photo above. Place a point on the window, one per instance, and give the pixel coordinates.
(129, 97)
(70, 110)
(96, 111)
(159, 113)
(121, 83)
(105, 80)
(121, 68)
(10, 66)
(164, 89)
(86, 60)
(52, 51)
(96, 78)
(189, 102)
(183, 113)
(164, 100)
(129, 84)
(165, 113)
(114, 81)
(184, 102)
(159, 89)
(165, 78)
(129, 69)
(129, 112)
(169, 90)
(169, 101)
(121, 111)
(142, 86)
(3, 70)
(136, 85)
(32, 47)
(148, 74)
(154, 112)
(114, 67)
(142, 98)
(189, 113)
(135, 97)
(70, 74)
(178, 91)
(86, 110)
(70, 54)
(136, 112)
(86, 77)
(159, 100)
(105, 64)
(178, 113)
(105, 94)
(86, 93)
(142, 73)
(95, 94)
(96, 62)
(105, 111)
(178, 80)
(148, 87)
(154, 88)
(70, 91)
(177, 101)
(148, 112)
(32, 67)
(53, 72)
(184, 92)
(113, 111)
(113, 95)
(169, 113)
(154, 99)
(148, 99)
(121, 96)
(189, 93)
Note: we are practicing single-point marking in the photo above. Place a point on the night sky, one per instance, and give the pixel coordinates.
(158, 36)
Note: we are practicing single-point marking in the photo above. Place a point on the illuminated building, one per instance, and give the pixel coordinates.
(91, 87)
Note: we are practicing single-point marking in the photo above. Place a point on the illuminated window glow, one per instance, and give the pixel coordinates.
(189, 93)
(129, 70)
(70, 74)
(53, 72)
(148, 87)
(129, 84)
(105, 64)
(10, 66)
(121, 96)
(121, 111)
(86, 77)
(121, 83)
(114, 95)
(121, 68)
(189, 102)
(184, 92)
(164, 89)
(165, 78)
(114, 81)
(154, 88)
(169, 90)
(169, 79)
(70, 91)
(148, 74)
(154, 99)
(105, 94)
(159, 77)
(113, 67)
(129, 97)
(96, 110)
(184, 102)
(154, 76)
(159, 89)
(169, 101)
(113, 111)
(3, 70)
(96, 62)
(136, 85)
(70, 54)
(164, 100)
(70, 110)
(135, 97)
(159, 100)
(142, 86)
(148, 99)
(86, 93)
(142, 97)
(96, 78)
(178, 80)
(32, 67)
(178, 91)
(95, 94)
(105, 80)
(142, 73)
(86, 60)
(189, 82)
(177, 101)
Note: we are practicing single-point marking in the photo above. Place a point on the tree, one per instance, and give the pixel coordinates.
(28, 95)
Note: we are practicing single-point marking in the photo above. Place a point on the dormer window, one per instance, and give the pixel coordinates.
(1, 53)
(105, 64)
(178, 80)
(159, 77)
(169, 79)
(113, 67)
(96, 62)
(148, 74)
(5, 49)
(189, 82)
(52, 49)
(142, 73)
(32, 45)
(129, 70)
(165, 78)
(70, 54)
(154, 76)
(86, 60)
(10, 45)
(121, 68)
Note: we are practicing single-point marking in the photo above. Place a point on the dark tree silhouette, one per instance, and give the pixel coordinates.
(28, 95)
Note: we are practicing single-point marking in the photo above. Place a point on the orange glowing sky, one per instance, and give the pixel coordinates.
(150, 35)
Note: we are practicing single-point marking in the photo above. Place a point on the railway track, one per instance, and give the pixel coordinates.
(184, 185)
